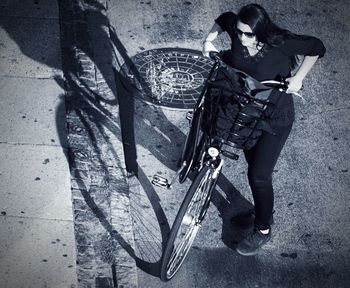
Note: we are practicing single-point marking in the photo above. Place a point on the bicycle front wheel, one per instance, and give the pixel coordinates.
(191, 144)
(187, 222)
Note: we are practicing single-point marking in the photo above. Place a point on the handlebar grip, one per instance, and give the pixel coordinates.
(214, 55)
(285, 83)
(278, 84)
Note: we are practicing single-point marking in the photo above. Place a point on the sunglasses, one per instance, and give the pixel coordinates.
(247, 34)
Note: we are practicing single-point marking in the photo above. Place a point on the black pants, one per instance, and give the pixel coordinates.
(261, 160)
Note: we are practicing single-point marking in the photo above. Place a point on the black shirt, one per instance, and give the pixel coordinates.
(270, 62)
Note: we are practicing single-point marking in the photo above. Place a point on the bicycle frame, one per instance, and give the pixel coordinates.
(193, 140)
(201, 155)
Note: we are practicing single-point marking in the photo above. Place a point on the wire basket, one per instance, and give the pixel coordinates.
(236, 108)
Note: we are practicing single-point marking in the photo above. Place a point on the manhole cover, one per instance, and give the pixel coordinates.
(171, 77)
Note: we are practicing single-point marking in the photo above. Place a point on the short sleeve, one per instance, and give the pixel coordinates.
(303, 45)
(226, 20)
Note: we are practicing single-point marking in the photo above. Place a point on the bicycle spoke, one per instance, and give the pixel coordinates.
(178, 256)
(186, 230)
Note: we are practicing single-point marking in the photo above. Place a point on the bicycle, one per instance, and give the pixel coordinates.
(201, 156)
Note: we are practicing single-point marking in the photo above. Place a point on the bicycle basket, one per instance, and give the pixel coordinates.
(236, 107)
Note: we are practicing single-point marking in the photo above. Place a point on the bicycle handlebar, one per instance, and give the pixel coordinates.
(280, 85)
(215, 55)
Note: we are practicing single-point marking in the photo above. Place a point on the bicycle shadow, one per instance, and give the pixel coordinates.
(95, 127)
(235, 207)
(89, 116)
(103, 125)
(140, 123)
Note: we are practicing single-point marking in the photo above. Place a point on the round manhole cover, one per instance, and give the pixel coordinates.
(171, 77)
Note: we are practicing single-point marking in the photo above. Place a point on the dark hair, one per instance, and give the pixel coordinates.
(262, 26)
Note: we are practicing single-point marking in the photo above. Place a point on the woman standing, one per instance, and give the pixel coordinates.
(264, 51)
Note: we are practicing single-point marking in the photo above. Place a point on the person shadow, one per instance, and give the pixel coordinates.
(236, 212)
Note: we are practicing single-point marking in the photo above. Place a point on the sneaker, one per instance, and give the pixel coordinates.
(250, 245)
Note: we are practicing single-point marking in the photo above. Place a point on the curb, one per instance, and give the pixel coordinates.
(100, 194)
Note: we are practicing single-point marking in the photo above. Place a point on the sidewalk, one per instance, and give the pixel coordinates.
(69, 215)
(37, 245)
(64, 204)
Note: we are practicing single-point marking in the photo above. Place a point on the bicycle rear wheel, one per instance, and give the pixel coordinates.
(187, 222)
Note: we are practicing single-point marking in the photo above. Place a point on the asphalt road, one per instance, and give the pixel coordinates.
(311, 179)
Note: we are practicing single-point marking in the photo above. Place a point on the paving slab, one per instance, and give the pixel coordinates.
(35, 182)
(26, 47)
(36, 253)
(32, 111)
(37, 245)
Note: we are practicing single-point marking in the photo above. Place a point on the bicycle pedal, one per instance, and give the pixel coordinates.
(230, 155)
(160, 181)
(189, 115)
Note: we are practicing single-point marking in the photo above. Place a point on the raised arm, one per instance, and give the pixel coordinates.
(296, 82)
(208, 46)
(312, 48)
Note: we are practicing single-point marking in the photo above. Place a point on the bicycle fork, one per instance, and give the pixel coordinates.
(164, 182)
(214, 153)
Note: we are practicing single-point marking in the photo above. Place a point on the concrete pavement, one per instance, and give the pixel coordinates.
(120, 222)
(37, 245)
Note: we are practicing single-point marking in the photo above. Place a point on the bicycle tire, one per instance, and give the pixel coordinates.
(197, 197)
(191, 144)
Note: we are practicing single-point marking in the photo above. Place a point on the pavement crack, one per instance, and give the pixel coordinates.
(33, 144)
(36, 218)
(53, 77)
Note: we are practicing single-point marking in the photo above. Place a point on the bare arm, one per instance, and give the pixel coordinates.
(208, 46)
(306, 66)
(296, 81)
